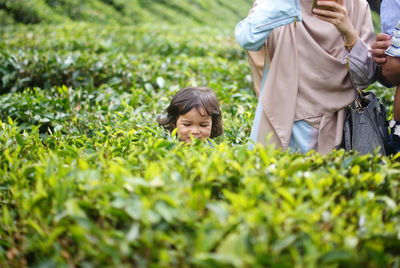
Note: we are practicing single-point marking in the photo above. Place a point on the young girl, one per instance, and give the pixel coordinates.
(195, 112)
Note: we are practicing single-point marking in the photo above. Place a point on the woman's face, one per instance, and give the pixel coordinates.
(196, 123)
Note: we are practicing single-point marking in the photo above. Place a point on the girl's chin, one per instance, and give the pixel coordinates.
(189, 140)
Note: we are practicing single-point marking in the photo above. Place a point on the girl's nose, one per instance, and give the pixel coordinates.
(195, 130)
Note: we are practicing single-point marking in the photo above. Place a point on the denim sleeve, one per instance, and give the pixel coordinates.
(390, 15)
(247, 38)
(252, 32)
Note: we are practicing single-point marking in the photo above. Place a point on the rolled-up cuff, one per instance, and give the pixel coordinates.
(360, 64)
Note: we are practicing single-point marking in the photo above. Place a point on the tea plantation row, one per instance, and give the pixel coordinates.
(221, 13)
(88, 179)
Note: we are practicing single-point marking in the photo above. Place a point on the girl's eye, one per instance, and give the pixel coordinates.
(204, 125)
(186, 125)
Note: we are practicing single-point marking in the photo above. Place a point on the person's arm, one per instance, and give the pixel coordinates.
(336, 14)
(357, 40)
(266, 15)
(391, 70)
(244, 32)
(257, 61)
(361, 66)
(379, 47)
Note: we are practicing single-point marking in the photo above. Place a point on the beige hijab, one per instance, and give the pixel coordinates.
(307, 79)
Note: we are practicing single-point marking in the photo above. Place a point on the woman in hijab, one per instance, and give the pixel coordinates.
(314, 66)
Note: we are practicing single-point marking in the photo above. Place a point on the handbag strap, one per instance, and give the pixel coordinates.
(357, 98)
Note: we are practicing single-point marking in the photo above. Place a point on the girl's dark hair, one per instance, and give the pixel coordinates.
(193, 97)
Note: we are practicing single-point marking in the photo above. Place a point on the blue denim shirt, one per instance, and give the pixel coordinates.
(252, 32)
(390, 15)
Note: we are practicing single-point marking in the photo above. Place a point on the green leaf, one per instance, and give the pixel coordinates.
(283, 243)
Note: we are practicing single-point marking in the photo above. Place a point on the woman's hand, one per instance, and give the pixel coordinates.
(338, 16)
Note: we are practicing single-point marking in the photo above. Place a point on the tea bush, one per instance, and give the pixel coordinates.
(88, 179)
(126, 196)
(91, 56)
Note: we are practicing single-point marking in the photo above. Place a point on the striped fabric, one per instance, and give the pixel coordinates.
(394, 49)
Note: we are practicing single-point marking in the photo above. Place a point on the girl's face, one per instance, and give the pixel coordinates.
(196, 123)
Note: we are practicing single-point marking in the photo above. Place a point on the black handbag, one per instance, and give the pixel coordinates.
(365, 126)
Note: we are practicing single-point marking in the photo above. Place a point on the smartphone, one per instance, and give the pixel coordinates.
(315, 5)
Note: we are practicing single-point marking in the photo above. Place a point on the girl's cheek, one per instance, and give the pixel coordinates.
(183, 132)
